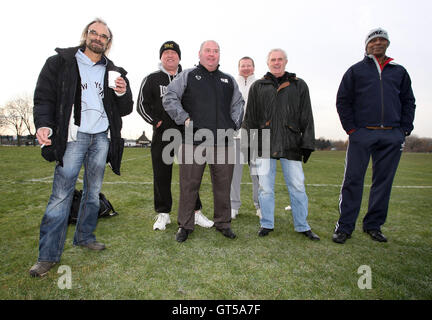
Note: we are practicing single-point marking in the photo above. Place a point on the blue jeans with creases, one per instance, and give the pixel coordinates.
(91, 151)
(294, 180)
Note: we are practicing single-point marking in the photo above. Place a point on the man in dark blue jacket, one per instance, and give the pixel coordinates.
(376, 107)
(74, 109)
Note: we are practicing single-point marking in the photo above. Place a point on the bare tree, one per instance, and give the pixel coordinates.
(3, 123)
(17, 115)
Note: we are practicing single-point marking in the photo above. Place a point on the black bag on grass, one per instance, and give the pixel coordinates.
(105, 210)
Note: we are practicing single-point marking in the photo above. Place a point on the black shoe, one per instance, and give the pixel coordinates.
(182, 234)
(227, 233)
(311, 235)
(376, 235)
(340, 237)
(262, 232)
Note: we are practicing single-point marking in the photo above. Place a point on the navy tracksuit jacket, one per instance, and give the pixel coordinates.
(376, 107)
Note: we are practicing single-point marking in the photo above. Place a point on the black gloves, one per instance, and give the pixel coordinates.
(306, 154)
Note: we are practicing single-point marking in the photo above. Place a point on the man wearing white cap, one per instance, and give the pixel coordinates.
(376, 107)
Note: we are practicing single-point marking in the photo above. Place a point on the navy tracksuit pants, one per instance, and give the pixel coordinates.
(385, 147)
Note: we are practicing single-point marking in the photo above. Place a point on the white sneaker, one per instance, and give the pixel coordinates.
(258, 213)
(162, 219)
(234, 213)
(288, 208)
(202, 220)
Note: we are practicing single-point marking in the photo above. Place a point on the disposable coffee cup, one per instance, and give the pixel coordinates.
(112, 76)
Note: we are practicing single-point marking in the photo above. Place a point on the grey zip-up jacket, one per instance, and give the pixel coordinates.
(211, 100)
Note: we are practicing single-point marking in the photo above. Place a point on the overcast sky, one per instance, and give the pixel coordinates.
(322, 39)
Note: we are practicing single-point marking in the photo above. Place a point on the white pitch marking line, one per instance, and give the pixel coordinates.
(45, 180)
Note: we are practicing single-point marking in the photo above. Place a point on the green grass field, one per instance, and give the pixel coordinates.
(140, 263)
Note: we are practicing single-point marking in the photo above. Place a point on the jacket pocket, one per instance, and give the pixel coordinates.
(294, 136)
(293, 128)
(295, 131)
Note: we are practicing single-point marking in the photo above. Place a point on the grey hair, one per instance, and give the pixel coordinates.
(277, 50)
(85, 32)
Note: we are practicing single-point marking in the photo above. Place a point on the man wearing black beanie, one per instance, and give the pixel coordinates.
(170, 45)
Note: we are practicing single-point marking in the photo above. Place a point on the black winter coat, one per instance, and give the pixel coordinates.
(58, 89)
(284, 107)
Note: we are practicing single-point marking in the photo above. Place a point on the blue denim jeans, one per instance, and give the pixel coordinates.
(90, 150)
(294, 180)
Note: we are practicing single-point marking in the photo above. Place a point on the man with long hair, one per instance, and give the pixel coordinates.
(78, 122)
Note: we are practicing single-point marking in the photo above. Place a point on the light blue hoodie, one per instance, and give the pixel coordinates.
(93, 117)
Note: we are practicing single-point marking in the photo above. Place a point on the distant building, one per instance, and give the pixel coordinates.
(130, 143)
(143, 141)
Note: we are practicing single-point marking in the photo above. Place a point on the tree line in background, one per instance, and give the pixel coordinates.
(17, 115)
(413, 143)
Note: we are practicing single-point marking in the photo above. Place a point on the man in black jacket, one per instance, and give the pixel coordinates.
(280, 103)
(208, 103)
(74, 109)
(149, 107)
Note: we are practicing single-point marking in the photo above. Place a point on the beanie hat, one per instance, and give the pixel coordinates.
(170, 45)
(375, 33)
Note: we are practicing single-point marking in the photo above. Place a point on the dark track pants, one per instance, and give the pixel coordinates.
(385, 147)
(162, 177)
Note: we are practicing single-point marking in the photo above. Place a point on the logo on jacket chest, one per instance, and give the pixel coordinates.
(163, 90)
(224, 80)
(98, 87)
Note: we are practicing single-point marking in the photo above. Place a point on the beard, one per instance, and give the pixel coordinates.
(96, 46)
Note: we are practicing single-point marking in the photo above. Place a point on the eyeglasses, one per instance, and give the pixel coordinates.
(95, 34)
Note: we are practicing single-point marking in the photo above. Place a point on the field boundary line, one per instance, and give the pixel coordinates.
(136, 158)
(49, 180)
